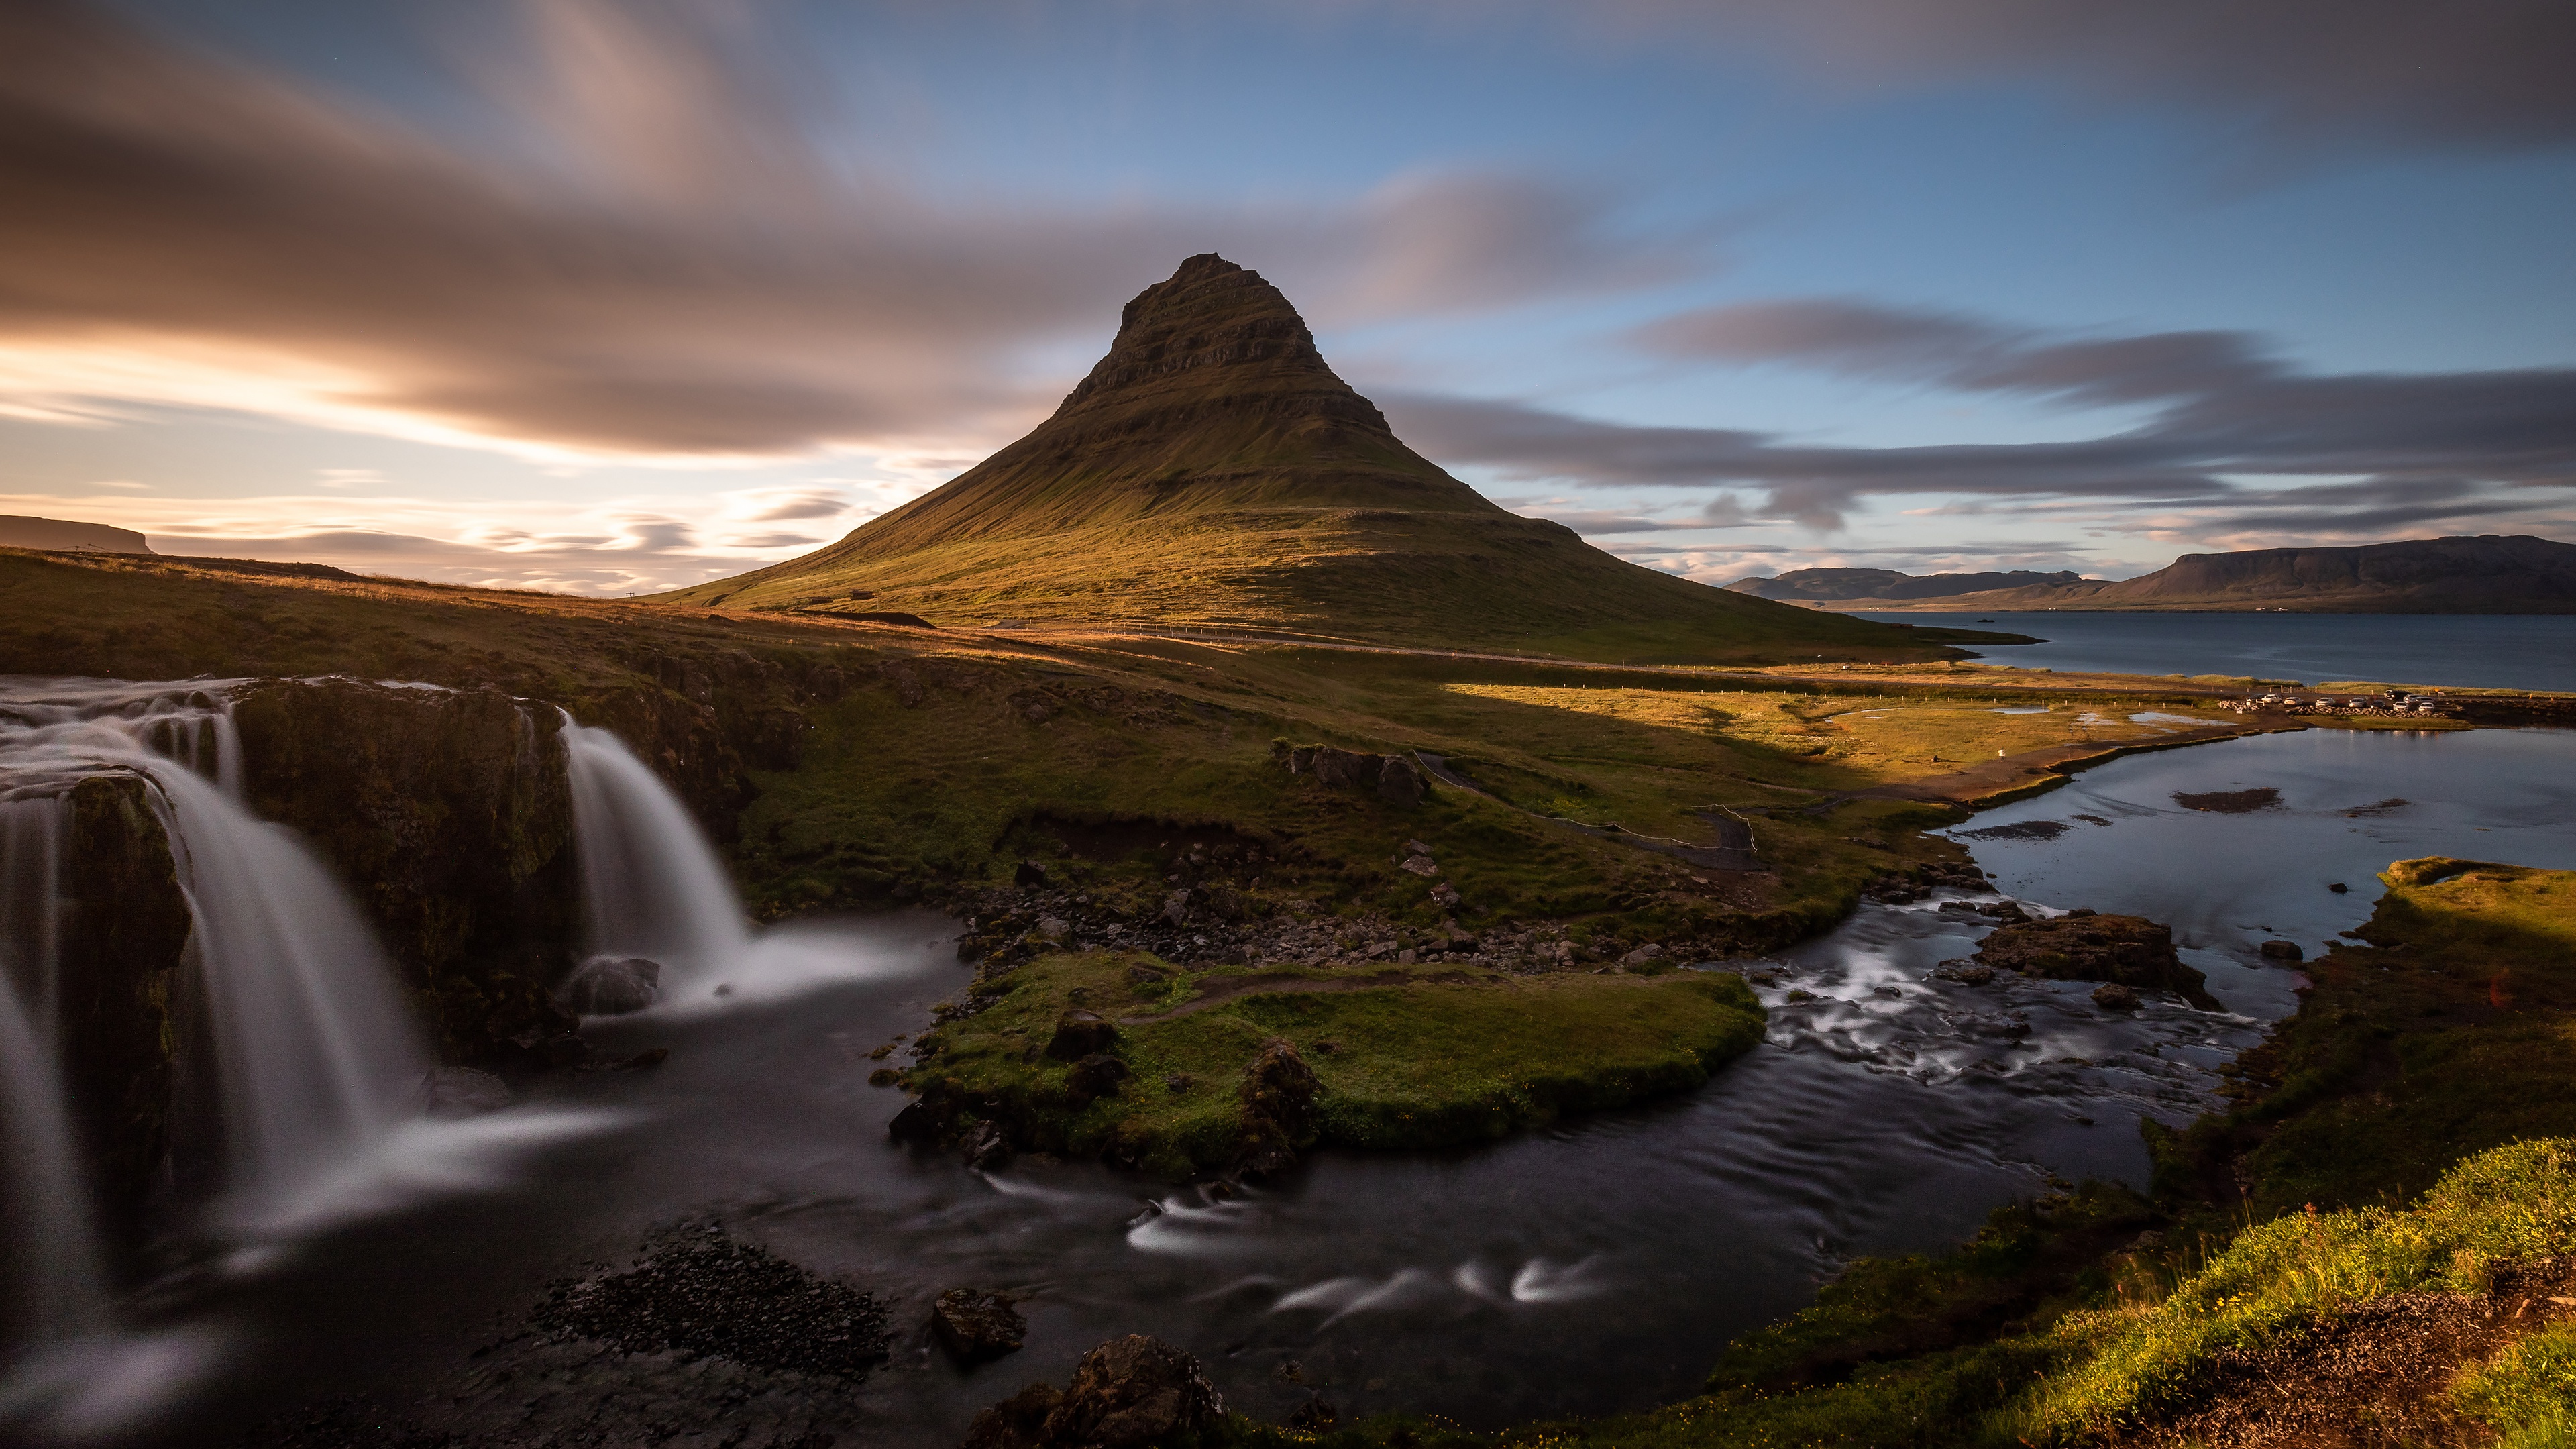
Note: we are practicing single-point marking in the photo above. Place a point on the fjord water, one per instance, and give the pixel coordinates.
(2463, 651)
(1597, 1266)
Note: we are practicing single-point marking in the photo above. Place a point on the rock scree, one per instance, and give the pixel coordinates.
(701, 1294)
(1135, 1392)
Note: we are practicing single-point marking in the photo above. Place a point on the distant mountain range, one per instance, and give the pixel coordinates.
(1821, 586)
(1214, 472)
(62, 536)
(2488, 574)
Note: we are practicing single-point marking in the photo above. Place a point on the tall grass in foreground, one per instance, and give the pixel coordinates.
(2515, 1204)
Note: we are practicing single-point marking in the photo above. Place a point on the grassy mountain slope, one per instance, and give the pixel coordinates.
(1213, 471)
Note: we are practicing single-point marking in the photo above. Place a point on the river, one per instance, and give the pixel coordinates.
(1595, 1267)
(2461, 651)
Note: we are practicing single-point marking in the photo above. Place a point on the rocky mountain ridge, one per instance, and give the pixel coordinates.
(2486, 574)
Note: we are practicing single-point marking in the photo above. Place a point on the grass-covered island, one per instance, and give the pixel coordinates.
(1117, 1054)
(2376, 1246)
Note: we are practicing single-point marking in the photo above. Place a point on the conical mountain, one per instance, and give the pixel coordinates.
(1213, 471)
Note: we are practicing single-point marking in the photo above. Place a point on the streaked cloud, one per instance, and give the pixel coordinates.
(666, 260)
(2293, 76)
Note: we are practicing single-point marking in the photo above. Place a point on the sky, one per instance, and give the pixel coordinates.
(610, 296)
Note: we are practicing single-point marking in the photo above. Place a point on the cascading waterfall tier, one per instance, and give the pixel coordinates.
(651, 885)
(313, 1057)
(51, 1284)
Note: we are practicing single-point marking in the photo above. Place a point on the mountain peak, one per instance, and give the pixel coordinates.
(1213, 326)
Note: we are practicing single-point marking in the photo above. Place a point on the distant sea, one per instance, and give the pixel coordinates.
(2482, 651)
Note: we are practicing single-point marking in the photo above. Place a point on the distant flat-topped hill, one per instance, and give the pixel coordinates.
(64, 536)
(1842, 585)
(1212, 471)
(2488, 574)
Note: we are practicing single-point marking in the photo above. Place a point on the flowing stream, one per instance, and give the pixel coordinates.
(1593, 1267)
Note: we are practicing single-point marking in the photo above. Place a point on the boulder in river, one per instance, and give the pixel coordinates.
(2282, 951)
(2112, 996)
(1130, 1393)
(613, 985)
(2131, 951)
(977, 1326)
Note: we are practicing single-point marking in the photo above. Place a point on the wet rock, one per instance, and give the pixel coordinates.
(988, 1146)
(2127, 950)
(613, 986)
(1094, 1077)
(1965, 972)
(2112, 996)
(1279, 1118)
(2338, 887)
(2009, 913)
(917, 1122)
(546, 1051)
(1079, 1034)
(642, 1061)
(452, 1092)
(1130, 1393)
(1018, 1422)
(978, 1326)
(2282, 951)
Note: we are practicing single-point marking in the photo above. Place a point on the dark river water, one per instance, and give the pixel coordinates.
(2527, 651)
(1600, 1266)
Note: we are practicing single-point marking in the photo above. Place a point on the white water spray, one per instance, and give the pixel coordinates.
(651, 885)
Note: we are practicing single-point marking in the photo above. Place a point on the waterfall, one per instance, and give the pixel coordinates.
(651, 885)
(314, 1056)
(51, 1285)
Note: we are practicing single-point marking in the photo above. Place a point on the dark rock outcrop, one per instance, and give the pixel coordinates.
(2130, 951)
(1079, 1034)
(607, 986)
(1392, 778)
(124, 936)
(1279, 1118)
(1130, 1393)
(1095, 1076)
(977, 1326)
(447, 814)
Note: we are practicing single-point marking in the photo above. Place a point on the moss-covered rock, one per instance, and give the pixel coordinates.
(2129, 951)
